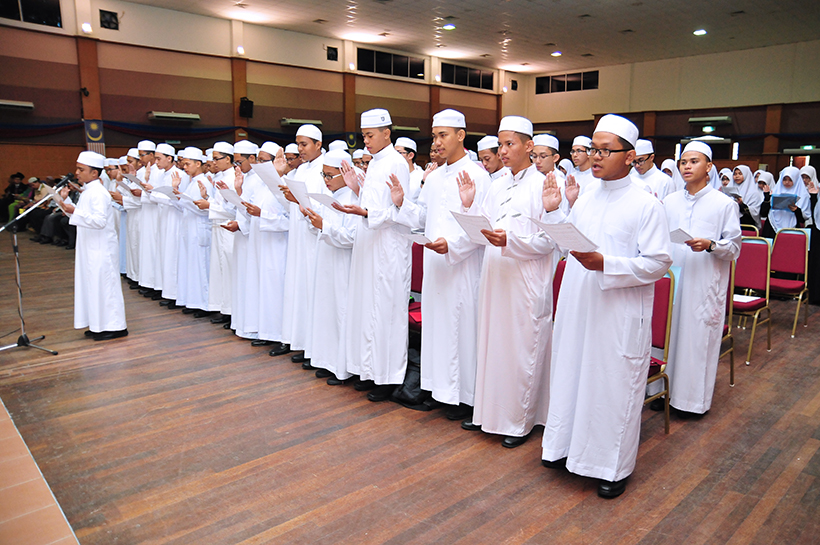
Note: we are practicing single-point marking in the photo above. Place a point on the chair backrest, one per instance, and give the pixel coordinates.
(417, 272)
(730, 308)
(556, 284)
(790, 253)
(753, 265)
(749, 230)
(662, 313)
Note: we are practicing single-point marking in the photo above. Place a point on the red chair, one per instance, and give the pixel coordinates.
(556, 283)
(752, 275)
(749, 230)
(416, 276)
(790, 254)
(661, 331)
(727, 327)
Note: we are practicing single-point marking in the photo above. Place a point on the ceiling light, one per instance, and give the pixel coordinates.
(708, 129)
(361, 37)
(807, 147)
(556, 54)
(699, 32)
(449, 26)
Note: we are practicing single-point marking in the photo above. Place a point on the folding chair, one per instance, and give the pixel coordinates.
(790, 254)
(727, 327)
(556, 283)
(752, 274)
(661, 331)
(749, 230)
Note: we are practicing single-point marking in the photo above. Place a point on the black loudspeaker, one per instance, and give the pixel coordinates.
(245, 107)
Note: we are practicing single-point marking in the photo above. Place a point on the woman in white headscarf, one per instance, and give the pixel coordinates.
(750, 196)
(796, 214)
(566, 166)
(725, 176)
(809, 175)
(714, 179)
(670, 168)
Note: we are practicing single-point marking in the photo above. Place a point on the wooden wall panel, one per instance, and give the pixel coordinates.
(148, 85)
(37, 160)
(159, 61)
(37, 46)
(291, 76)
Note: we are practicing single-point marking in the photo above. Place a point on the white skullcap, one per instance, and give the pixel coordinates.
(697, 145)
(111, 162)
(337, 144)
(223, 147)
(146, 145)
(357, 154)
(584, 141)
(372, 119)
(516, 123)
(166, 149)
(488, 142)
(245, 147)
(334, 158)
(91, 159)
(123, 160)
(472, 155)
(311, 131)
(619, 126)
(365, 152)
(546, 140)
(406, 143)
(210, 155)
(271, 148)
(133, 152)
(292, 148)
(192, 153)
(644, 147)
(209, 151)
(450, 118)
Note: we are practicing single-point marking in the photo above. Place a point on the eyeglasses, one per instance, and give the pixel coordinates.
(220, 158)
(579, 151)
(604, 152)
(327, 176)
(640, 162)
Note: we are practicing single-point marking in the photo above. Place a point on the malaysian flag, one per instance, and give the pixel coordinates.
(94, 135)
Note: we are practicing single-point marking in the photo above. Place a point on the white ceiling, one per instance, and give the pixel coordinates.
(515, 32)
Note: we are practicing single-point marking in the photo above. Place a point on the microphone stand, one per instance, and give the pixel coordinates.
(23, 341)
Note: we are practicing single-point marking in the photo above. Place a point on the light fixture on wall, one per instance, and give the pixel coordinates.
(400, 128)
(16, 105)
(172, 116)
(87, 28)
(700, 32)
(711, 120)
(352, 66)
(735, 151)
(708, 129)
(240, 50)
(504, 89)
(677, 152)
(438, 78)
(290, 122)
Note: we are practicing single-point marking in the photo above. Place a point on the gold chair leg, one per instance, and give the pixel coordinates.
(797, 313)
(769, 329)
(732, 362)
(666, 403)
(752, 338)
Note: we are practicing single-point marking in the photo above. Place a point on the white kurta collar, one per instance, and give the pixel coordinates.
(457, 166)
(610, 185)
(699, 194)
(520, 176)
(384, 152)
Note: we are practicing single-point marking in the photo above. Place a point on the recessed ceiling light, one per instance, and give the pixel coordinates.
(449, 26)
(556, 54)
(699, 32)
(708, 129)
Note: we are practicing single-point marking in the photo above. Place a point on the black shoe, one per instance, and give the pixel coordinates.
(71, 247)
(35, 238)
(46, 240)
(60, 242)
(333, 381)
(686, 415)
(363, 385)
(89, 333)
(469, 425)
(173, 306)
(381, 393)
(557, 464)
(307, 366)
(202, 313)
(227, 325)
(156, 296)
(512, 442)
(458, 412)
(608, 489)
(164, 303)
(657, 405)
(280, 350)
(108, 335)
(189, 310)
(221, 319)
(261, 342)
(299, 358)
(135, 286)
(323, 373)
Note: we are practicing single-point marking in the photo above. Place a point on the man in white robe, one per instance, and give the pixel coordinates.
(336, 233)
(220, 282)
(170, 217)
(98, 301)
(301, 261)
(452, 269)
(149, 259)
(408, 148)
(194, 237)
(646, 174)
(545, 156)
(705, 266)
(515, 299)
(132, 206)
(602, 333)
(490, 160)
(377, 327)
(579, 153)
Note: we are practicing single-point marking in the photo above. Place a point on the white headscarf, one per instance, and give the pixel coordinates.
(568, 166)
(751, 195)
(725, 172)
(810, 171)
(714, 179)
(678, 182)
(783, 219)
(668, 164)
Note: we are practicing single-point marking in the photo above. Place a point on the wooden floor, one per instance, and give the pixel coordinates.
(183, 434)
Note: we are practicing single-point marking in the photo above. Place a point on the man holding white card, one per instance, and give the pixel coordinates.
(602, 334)
(711, 219)
(452, 269)
(515, 300)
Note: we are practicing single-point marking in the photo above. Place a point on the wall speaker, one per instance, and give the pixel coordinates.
(245, 107)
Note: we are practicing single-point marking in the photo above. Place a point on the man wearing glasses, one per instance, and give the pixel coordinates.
(579, 153)
(219, 212)
(407, 148)
(646, 174)
(602, 333)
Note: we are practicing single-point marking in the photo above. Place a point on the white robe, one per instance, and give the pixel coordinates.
(416, 179)
(333, 253)
(602, 333)
(514, 310)
(376, 338)
(449, 302)
(150, 259)
(220, 282)
(244, 299)
(700, 305)
(98, 301)
(301, 263)
(132, 207)
(194, 249)
(586, 181)
(269, 235)
(659, 183)
(170, 218)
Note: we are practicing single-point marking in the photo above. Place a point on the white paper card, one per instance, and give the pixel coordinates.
(166, 190)
(744, 298)
(267, 172)
(324, 199)
(55, 194)
(473, 225)
(134, 180)
(124, 189)
(418, 238)
(679, 236)
(231, 196)
(299, 191)
(567, 236)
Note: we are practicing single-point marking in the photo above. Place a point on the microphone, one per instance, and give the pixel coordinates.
(64, 180)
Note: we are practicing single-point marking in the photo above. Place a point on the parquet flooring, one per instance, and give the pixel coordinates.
(183, 434)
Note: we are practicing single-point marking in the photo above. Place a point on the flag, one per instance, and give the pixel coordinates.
(94, 135)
